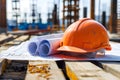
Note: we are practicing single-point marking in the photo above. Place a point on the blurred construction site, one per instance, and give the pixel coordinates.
(36, 16)
(28, 22)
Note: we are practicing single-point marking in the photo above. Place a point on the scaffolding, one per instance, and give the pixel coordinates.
(34, 13)
(70, 12)
(16, 12)
(113, 17)
(55, 18)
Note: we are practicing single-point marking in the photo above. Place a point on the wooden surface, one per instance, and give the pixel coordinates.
(15, 70)
(3, 64)
(17, 41)
(43, 70)
(5, 38)
(113, 68)
(20, 70)
(87, 71)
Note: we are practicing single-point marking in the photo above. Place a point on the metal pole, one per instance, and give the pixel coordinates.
(104, 19)
(85, 12)
(92, 11)
(113, 17)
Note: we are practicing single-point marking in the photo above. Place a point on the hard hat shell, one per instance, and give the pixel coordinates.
(84, 36)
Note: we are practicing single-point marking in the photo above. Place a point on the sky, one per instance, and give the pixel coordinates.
(45, 6)
(100, 5)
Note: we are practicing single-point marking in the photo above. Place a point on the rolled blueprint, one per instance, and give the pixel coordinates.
(33, 46)
(49, 46)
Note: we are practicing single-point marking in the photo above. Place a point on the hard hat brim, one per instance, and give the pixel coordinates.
(74, 49)
(78, 50)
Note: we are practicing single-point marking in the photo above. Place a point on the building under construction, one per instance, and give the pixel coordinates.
(70, 11)
(31, 49)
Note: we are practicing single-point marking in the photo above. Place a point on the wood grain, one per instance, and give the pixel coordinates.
(54, 73)
(87, 71)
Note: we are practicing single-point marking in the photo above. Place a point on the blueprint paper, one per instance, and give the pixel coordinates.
(32, 48)
(34, 43)
(20, 52)
(49, 46)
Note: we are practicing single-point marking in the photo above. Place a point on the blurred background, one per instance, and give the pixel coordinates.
(56, 15)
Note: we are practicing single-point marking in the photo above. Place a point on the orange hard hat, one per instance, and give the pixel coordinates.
(84, 36)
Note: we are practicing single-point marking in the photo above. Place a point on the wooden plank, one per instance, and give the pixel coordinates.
(52, 64)
(15, 70)
(87, 71)
(44, 70)
(17, 40)
(3, 64)
(3, 48)
(113, 68)
(7, 38)
(4, 36)
(22, 38)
